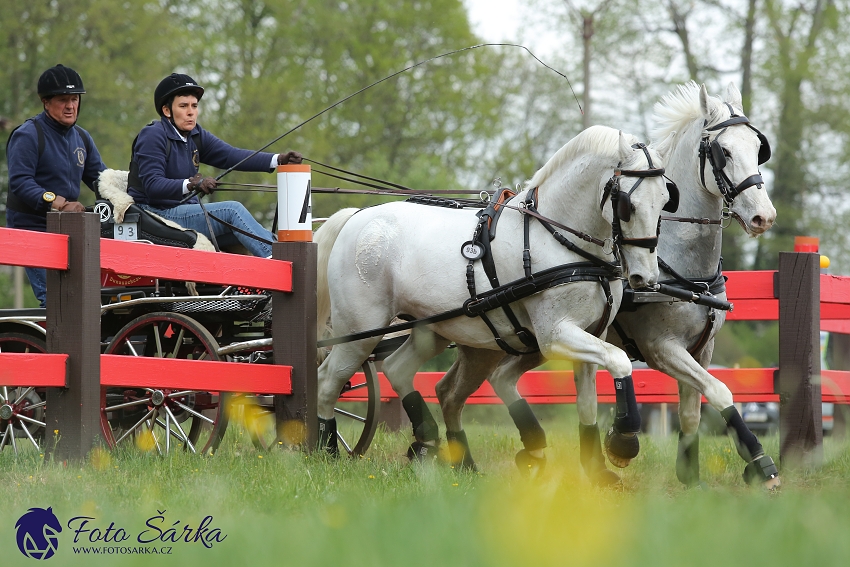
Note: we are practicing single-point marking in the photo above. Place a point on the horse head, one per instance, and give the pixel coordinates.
(638, 193)
(731, 151)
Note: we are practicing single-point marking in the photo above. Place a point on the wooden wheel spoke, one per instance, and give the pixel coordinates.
(180, 429)
(29, 420)
(12, 438)
(27, 431)
(6, 435)
(138, 424)
(354, 416)
(128, 404)
(345, 443)
(159, 352)
(23, 395)
(193, 412)
(179, 342)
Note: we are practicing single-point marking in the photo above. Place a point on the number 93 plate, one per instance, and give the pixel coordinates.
(125, 231)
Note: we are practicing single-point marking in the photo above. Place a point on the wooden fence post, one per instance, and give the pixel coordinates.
(73, 328)
(294, 334)
(800, 419)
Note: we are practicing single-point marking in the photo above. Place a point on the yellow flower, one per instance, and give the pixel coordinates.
(259, 456)
(371, 476)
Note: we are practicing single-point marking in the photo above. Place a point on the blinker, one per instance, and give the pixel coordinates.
(672, 204)
(717, 155)
(624, 206)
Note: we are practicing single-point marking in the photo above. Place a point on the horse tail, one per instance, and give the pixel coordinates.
(325, 237)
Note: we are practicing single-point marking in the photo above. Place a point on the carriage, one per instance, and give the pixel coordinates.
(151, 317)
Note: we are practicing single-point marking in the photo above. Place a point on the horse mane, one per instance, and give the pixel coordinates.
(677, 110)
(597, 140)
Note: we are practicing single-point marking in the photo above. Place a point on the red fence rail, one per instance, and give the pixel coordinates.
(74, 370)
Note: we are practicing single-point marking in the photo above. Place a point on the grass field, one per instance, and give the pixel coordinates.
(285, 508)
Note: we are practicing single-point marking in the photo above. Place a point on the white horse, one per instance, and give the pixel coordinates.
(676, 338)
(404, 260)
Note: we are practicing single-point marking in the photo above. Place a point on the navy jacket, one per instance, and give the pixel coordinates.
(60, 169)
(162, 179)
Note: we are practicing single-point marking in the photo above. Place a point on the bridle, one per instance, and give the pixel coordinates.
(621, 201)
(712, 151)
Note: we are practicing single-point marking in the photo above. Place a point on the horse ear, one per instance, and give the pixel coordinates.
(705, 103)
(625, 149)
(733, 97)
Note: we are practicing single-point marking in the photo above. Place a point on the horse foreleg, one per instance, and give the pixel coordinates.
(465, 376)
(687, 455)
(400, 368)
(590, 446)
(673, 359)
(567, 341)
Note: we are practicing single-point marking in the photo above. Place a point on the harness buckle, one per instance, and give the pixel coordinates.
(608, 246)
(484, 196)
(725, 216)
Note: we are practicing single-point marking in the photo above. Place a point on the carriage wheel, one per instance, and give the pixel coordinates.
(160, 418)
(21, 408)
(355, 425)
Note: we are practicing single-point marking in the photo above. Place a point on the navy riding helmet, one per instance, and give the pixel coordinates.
(60, 80)
(173, 85)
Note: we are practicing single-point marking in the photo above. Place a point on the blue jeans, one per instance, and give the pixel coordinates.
(38, 281)
(191, 216)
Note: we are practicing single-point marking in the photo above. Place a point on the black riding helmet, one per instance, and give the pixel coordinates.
(60, 80)
(173, 85)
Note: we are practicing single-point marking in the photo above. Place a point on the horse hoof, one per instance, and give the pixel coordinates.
(606, 479)
(621, 448)
(529, 465)
(762, 470)
(421, 452)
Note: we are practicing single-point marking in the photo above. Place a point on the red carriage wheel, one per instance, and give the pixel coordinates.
(21, 408)
(162, 418)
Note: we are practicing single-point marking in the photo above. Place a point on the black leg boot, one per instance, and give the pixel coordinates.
(425, 430)
(533, 438)
(760, 467)
(327, 436)
(621, 441)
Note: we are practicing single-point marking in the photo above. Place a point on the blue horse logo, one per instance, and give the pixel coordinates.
(38, 533)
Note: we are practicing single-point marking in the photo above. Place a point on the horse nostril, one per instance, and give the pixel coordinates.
(758, 221)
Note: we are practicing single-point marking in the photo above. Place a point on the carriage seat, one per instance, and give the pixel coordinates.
(121, 218)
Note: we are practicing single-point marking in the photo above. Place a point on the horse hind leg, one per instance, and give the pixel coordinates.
(400, 368)
(590, 446)
(531, 460)
(340, 365)
(465, 376)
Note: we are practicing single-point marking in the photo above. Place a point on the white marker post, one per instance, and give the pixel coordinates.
(294, 202)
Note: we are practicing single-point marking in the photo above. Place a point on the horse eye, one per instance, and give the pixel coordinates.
(726, 153)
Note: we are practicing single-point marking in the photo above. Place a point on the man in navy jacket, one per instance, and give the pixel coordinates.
(48, 156)
(165, 161)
